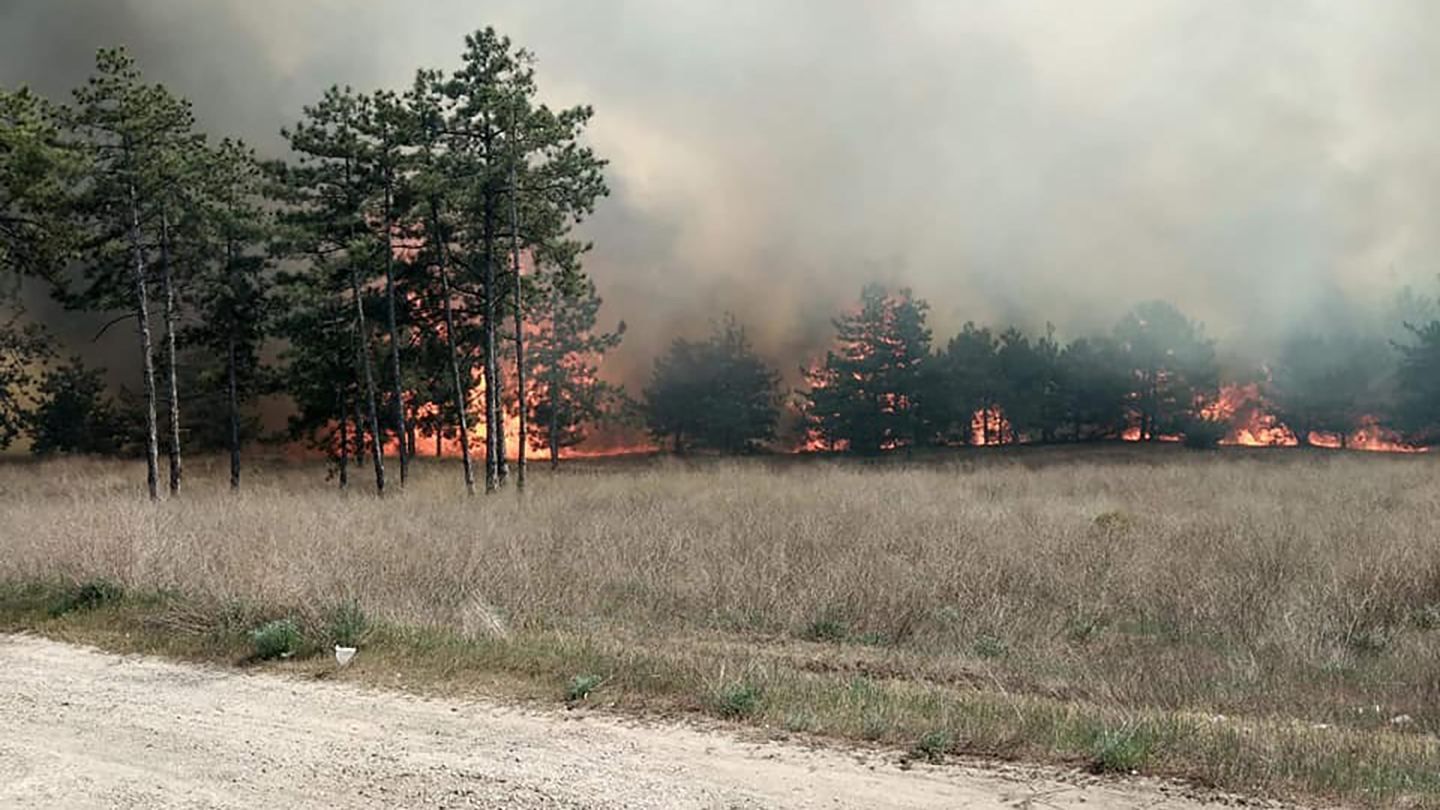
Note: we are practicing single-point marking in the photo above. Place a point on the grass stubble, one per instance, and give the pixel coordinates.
(1267, 623)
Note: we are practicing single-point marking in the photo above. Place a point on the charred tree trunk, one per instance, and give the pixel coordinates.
(365, 366)
(147, 356)
(396, 377)
(172, 385)
(462, 395)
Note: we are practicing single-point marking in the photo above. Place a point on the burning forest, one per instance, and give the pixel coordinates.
(409, 277)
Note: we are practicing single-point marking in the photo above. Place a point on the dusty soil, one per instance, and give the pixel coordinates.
(82, 728)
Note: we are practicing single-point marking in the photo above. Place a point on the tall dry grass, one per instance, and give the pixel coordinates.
(1302, 586)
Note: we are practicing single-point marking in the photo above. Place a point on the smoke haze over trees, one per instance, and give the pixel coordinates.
(392, 257)
(1264, 168)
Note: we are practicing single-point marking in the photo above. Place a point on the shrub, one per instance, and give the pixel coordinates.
(581, 686)
(347, 625)
(737, 699)
(933, 746)
(277, 639)
(87, 596)
(1119, 750)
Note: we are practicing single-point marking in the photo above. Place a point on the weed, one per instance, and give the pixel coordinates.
(737, 699)
(1369, 641)
(988, 645)
(1119, 750)
(800, 721)
(1427, 617)
(347, 625)
(1083, 628)
(825, 629)
(581, 686)
(1113, 522)
(932, 746)
(874, 725)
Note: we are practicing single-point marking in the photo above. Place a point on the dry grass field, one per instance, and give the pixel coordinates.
(1258, 621)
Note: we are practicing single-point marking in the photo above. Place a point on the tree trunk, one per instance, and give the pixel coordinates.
(342, 457)
(232, 375)
(399, 386)
(554, 373)
(171, 382)
(494, 427)
(457, 379)
(366, 366)
(554, 426)
(412, 439)
(234, 396)
(357, 447)
(519, 318)
(142, 315)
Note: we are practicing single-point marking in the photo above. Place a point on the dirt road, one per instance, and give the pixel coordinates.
(82, 728)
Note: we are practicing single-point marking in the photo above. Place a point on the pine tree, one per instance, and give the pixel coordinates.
(564, 362)
(38, 169)
(384, 124)
(972, 385)
(229, 292)
(716, 394)
(523, 180)
(23, 348)
(138, 141)
(1094, 387)
(1327, 383)
(73, 413)
(866, 395)
(1171, 366)
(328, 188)
(436, 210)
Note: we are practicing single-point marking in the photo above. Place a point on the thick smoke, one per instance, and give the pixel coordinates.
(1265, 166)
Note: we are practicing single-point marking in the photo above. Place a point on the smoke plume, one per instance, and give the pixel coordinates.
(1265, 166)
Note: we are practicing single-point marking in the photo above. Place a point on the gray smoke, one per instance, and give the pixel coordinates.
(1262, 165)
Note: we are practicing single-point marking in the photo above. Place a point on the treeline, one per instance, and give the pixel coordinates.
(886, 384)
(409, 270)
(410, 273)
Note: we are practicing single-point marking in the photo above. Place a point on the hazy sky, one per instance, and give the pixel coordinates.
(1253, 162)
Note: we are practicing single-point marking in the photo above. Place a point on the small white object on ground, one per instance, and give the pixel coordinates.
(343, 655)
